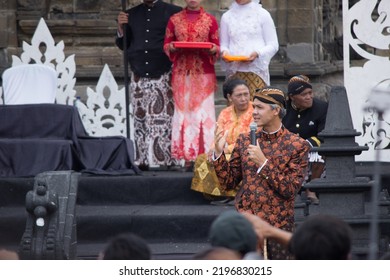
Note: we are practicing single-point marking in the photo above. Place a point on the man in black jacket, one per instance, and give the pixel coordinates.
(306, 117)
(151, 94)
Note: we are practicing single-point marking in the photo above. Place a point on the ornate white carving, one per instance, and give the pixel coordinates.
(43, 50)
(367, 32)
(104, 113)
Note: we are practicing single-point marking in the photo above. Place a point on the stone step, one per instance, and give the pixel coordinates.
(160, 251)
(171, 230)
(154, 223)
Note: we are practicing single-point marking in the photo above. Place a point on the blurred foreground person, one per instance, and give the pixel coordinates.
(126, 246)
(320, 237)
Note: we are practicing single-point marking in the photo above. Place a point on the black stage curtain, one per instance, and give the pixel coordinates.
(46, 137)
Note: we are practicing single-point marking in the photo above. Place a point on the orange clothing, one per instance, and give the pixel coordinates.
(229, 121)
(205, 180)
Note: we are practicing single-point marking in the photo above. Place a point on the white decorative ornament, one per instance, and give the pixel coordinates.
(367, 33)
(104, 113)
(53, 56)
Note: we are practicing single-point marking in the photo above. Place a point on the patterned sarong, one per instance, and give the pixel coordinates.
(152, 102)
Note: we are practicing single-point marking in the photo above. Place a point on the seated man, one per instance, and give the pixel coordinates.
(306, 117)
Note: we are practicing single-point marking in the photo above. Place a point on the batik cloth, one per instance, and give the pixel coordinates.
(152, 103)
(205, 179)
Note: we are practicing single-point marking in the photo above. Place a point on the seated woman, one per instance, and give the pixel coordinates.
(233, 120)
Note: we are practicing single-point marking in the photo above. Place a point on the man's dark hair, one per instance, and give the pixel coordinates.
(127, 246)
(321, 237)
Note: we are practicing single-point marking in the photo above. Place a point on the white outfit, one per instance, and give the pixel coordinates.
(245, 29)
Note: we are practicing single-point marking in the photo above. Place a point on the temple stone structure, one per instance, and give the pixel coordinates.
(307, 31)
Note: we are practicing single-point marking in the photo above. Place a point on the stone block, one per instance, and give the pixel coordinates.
(273, 5)
(27, 5)
(8, 5)
(300, 4)
(210, 6)
(298, 35)
(3, 32)
(331, 203)
(180, 3)
(301, 18)
(91, 6)
(61, 6)
(300, 53)
(225, 4)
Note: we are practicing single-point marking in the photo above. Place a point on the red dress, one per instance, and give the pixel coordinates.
(193, 82)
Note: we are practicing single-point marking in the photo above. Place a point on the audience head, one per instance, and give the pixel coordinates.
(127, 246)
(8, 255)
(236, 91)
(386, 256)
(322, 237)
(233, 231)
(217, 253)
(300, 92)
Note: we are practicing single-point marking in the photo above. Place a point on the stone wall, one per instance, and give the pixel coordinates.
(306, 29)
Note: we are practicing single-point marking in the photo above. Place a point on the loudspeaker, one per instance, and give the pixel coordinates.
(51, 223)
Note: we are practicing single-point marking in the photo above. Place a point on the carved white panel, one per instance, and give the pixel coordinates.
(104, 113)
(367, 67)
(43, 50)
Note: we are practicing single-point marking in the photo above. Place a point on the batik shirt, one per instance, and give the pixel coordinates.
(269, 194)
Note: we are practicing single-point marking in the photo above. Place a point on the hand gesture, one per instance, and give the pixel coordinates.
(213, 50)
(223, 54)
(219, 140)
(123, 18)
(172, 47)
(256, 155)
(252, 56)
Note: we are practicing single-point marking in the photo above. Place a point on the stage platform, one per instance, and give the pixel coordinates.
(159, 206)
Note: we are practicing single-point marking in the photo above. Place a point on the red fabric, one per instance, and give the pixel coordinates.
(192, 26)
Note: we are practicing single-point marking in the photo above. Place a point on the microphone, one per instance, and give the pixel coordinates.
(253, 127)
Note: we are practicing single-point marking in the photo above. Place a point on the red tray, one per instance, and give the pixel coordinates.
(192, 45)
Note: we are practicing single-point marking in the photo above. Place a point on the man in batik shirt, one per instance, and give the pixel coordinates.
(272, 171)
